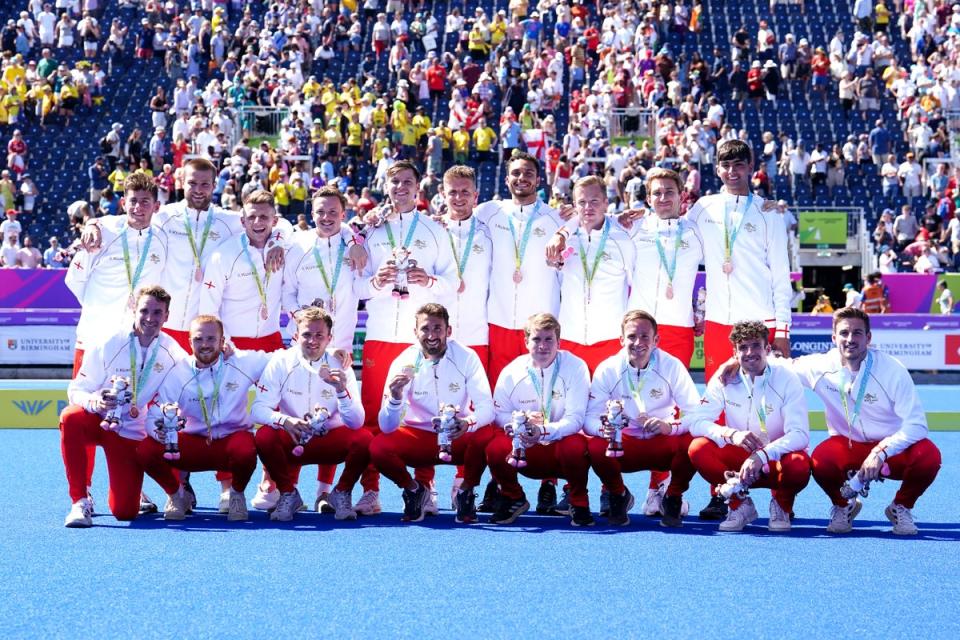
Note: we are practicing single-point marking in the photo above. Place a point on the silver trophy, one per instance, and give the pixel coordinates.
(119, 391)
(171, 423)
(518, 428)
(316, 427)
(732, 488)
(614, 419)
(857, 486)
(445, 424)
(403, 262)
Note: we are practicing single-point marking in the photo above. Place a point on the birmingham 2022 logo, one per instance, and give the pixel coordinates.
(36, 407)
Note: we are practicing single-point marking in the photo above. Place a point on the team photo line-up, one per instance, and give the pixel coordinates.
(506, 335)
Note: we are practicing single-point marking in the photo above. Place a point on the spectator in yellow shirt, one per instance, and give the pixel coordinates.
(118, 175)
(298, 195)
(281, 195)
(484, 139)
(461, 146)
(421, 125)
(333, 139)
(354, 137)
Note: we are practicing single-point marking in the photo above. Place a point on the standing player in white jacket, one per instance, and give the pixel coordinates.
(301, 382)
(746, 258)
(211, 394)
(143, 356)
(238, 287)
(132, 254)
(424, 380)
(595, 278)
(766, 434)
(432, 277)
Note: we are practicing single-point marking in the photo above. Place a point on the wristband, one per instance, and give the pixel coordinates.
(563, 233)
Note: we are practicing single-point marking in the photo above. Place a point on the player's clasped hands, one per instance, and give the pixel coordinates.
(747, 440)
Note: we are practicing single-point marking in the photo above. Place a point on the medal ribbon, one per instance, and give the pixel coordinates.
(670, 268)
(637, 389)
(461, 260)
(331, 286)
(137, 381)
(214, 398)
(847, 386)
(520, 249)
(203, 239)
(762, 409)
(545, 402)
(588, 274)
(730, 234)
(133, 279)
(409, 236)
(245, 244)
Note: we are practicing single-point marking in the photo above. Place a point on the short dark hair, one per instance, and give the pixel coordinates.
(156, 292)
(433, 310)
(200, 164)
(851, 313)
(733, 150)
(635, 316)
(526, 157)
(400, 165)
(329, 191)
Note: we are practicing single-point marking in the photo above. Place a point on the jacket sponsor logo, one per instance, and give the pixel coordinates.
(870, 398)
(158, 368)
(419, 244)
(326, 394)
(750, 227)
(478, 249)
(454, 387)
(154, 258)
(232, 386)
(768, 408)
(31, 407)
(214, 236)
(656, 394)
(539, 232)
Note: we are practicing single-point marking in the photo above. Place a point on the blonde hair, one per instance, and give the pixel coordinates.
(541, 322)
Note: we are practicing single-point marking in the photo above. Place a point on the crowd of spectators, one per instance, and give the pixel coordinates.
(470, 85)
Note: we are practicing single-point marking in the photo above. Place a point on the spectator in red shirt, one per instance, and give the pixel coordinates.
(437, 80)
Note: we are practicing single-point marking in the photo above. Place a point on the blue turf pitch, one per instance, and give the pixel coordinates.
(209, 578)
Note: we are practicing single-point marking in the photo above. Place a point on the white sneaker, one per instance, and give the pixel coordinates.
(432, 506)
(177, 506)
(322, 503)
(740, 517)
(265, 500)
(236, 506)
(340, 502)
(287, 505)
(654, 503)
(368, 504)
(224, 506)
(81, 514)
(841, 518)
(779, 519)
(901, 518)
(457, 483)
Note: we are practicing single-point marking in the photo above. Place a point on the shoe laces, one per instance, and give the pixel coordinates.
(837, 512)
(902, 514)
(368, 498)
(286, 502)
